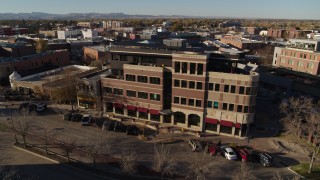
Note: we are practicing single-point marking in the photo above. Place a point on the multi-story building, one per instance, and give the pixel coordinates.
(299, 55)
(95, 53)
(73, 33)
(8, 31)
(84, 24)
(26, 65)
(89, 33)
(200, 91)
(243, 43)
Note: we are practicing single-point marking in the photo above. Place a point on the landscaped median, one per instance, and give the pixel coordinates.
(302, 170)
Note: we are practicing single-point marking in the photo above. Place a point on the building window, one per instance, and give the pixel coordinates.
(226, 88)
(192, 68)
(184, 67)
(210, 86)
(233, 89)
(199, 85)
(130, 77)
(123, 58)
(245, 109)
(217, 87)
(154, 80)
(149, 60)
(304, 56)
(215, 105)
(184, 101)
(107, 90)
(191, 102)
(142, 95)
(192, 84)
(117, 91)
(177, 67)
(143, 79)
(155, 97)
(224, 106)
(248, 90)
(131, 93)
(239, 108)
(300, 64)
(251, 110)
(198, 103)
(310, 65)
(200, 69)
(184, 83)
(176, 100)
(176, 83)
(241, 90)
(231, 107)
(209, 104)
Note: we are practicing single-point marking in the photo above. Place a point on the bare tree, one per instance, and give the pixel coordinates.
(128, 160)
(21, 124)
(200, 166)
(97, 147)
(164, 162)
(68, 145)
(244, 172)
(49, 134)
(302, 115)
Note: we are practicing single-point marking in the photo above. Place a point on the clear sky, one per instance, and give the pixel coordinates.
(291, 9)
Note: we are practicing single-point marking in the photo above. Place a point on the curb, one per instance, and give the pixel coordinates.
(289, 168)
(35, 154)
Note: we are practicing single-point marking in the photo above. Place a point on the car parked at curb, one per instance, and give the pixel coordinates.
(108, 125)
(228, 153)
(212, 149)
(195, 145)
(132, 130)
(86, 120)
(119, 127)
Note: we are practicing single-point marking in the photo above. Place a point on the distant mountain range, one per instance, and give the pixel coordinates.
(48, 16)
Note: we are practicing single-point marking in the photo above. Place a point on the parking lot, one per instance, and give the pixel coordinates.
(220, 168)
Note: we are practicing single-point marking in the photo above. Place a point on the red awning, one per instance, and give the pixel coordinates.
(226, 123)
(117, 105)
(238, 125)
(144, 110)
(154, 112)
(132, 108)
(211, 121)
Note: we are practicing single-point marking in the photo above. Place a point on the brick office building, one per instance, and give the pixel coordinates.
(299, 55)
(199, 91)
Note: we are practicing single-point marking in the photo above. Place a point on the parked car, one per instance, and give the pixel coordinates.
(76, 117)
(265, 159)
(228, 153)
(108, 125)
(132, 130)
(40, 107)
(195, 145)
(86, 120)
(244, 154)
(33, 106)
(212, 149)
(119, 127)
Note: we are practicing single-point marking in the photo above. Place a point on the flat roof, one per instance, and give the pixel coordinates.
(55, 74)
(137, 50)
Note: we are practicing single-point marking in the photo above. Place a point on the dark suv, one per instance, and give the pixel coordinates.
(265, 159)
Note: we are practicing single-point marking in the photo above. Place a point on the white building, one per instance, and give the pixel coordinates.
(89, 33)
(69, 34)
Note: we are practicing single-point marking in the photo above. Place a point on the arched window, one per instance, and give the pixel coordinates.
(194, 120)
(179, 117)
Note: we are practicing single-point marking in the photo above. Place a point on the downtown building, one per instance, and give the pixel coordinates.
(205, 92)
(300, 55)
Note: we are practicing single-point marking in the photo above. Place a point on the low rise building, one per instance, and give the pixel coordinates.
(299, 55)
(29, 64)
(95, 53)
